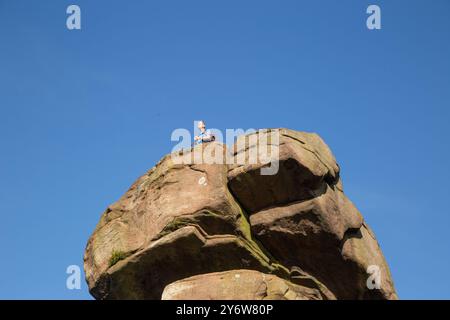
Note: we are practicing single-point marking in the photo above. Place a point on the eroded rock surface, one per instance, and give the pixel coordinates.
(185, 231)
(238, 285)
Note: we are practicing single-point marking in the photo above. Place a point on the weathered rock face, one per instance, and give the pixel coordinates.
(224, 231)
(238, 285)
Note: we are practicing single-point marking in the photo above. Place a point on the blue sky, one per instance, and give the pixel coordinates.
(84, 113)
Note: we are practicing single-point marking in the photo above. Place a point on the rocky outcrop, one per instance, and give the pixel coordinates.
(225, 231)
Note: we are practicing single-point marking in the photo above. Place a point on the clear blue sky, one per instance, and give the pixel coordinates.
(84, 113)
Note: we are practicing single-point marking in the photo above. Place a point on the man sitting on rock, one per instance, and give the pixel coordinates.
(205, 135)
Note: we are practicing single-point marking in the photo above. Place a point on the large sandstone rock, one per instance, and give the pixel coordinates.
(182, 228)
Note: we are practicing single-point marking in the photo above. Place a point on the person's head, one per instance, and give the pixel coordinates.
(201, 126)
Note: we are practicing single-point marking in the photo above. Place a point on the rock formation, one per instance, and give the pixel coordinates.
(225, 231)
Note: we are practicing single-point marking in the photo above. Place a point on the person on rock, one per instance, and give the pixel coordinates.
(205, 135)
